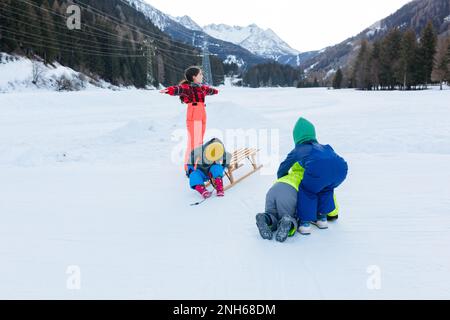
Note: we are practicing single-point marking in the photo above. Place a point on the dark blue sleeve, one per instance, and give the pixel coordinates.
(287, 164)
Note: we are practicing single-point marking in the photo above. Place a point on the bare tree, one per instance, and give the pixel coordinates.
(38, 70)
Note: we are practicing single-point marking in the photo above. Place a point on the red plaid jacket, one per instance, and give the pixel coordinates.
(191, 93)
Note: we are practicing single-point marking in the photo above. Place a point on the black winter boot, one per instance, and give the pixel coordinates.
(265, 229)
(284, 228)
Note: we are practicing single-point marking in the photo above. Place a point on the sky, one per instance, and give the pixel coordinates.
(304, 24)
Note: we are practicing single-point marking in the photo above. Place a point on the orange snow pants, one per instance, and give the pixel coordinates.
(196, 127)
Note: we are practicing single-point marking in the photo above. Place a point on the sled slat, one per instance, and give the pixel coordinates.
(242, 178)
(236, 162)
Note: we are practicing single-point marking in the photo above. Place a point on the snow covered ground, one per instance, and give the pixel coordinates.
(89, 180)
(22, 74)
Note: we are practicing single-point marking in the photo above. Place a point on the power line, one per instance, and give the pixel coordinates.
(169, 59)
(88, 49)
(136, 28)
(177, 52)
(101, 34)
(106, 16)
(72, 44)
(65, 49)
(68, 35)
(178, 70)
(49, 41)
(85, 25)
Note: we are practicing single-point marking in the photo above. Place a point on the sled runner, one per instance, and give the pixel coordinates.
(237, 161)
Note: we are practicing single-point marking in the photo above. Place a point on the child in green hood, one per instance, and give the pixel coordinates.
(324, 171)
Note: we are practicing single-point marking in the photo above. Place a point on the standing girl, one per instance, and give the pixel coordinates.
(192, 92)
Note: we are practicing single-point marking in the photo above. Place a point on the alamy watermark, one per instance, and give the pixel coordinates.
(73, 281)
(374, 280)
(266, 141)
(73, 17)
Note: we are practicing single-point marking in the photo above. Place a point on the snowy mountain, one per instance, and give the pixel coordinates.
(265, 43)
(187, 22)
(184, 29)
(158, 18)
(249, 45)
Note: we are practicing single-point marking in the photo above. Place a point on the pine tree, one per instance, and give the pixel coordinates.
(362, 67)
(6, 45)
(337, 81)
(316, 83)
(441, 70)
(389, 59)
(273, 74)
(375, 65)
(218, 71)
(428, 43)
(407, 59)
(448, 62)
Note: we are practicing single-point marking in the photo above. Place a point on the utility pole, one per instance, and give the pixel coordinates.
(149, 53)
(206, 64)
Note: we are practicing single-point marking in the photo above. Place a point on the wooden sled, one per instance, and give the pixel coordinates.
(237, 161)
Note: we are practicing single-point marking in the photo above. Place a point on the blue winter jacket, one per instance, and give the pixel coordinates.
(324, 171)
(307, 154)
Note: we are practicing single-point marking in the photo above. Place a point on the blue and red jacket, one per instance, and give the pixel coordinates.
(192, 93)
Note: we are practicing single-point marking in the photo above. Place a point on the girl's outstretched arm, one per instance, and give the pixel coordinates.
(174, 90)
(209, 91)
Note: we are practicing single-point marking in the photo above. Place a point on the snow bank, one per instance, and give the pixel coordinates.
(22, 74)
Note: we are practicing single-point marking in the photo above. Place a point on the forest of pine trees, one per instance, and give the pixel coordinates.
(272, 74)
(399, 61)
(113, 43)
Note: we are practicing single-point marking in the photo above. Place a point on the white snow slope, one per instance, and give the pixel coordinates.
(88, 180)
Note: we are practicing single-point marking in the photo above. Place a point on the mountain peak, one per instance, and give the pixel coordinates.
(253, 40)
(187, 22)
(265, 43)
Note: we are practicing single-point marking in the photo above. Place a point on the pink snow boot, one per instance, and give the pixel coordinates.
(203, 191)
(219, 187)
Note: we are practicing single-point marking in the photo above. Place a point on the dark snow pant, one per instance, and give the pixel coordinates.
(281, 202)
(316, 191)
